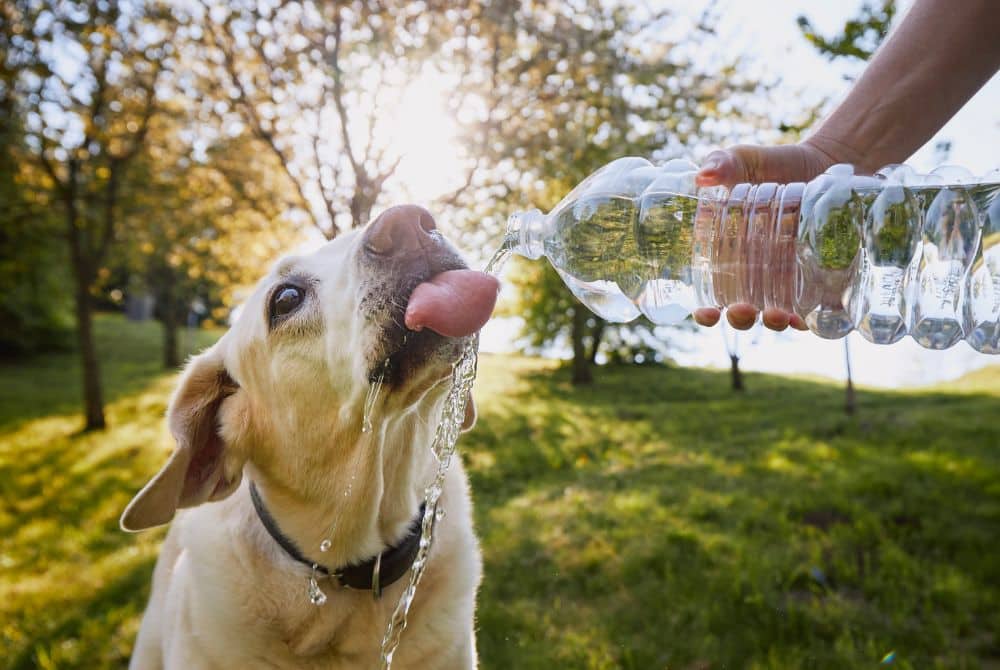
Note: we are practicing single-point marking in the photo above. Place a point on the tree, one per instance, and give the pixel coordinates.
(198, 228)
(733, 351)
(317, 83)
(85, 81)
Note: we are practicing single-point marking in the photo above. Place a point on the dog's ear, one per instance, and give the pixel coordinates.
(470, 414)
(201, 469)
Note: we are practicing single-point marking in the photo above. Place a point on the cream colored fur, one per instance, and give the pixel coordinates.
(287, 409)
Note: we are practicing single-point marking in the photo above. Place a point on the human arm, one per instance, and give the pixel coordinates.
(940, 54)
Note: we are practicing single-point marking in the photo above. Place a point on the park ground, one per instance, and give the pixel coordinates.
(652, 520)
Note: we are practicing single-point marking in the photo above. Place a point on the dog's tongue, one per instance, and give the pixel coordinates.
(454, 303)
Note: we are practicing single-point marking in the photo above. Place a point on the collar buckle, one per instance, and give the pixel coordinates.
(376, 577)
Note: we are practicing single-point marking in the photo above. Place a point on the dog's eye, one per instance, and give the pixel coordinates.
(285, 301)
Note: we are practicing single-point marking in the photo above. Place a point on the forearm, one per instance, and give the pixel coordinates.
(935, 60)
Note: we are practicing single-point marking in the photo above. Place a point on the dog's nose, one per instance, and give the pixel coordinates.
(400, 229)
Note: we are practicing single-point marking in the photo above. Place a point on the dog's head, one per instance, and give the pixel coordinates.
(285, 387)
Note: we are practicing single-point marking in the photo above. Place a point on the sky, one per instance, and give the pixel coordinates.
(774, 44)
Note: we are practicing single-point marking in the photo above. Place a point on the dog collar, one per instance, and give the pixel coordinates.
(373, 574)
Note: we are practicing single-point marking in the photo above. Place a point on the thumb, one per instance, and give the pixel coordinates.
(721, 167)
(754, 164)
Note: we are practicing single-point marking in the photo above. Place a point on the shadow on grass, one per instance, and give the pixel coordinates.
(72, 584)
(96, 631)
(654, 520)
(675, 524)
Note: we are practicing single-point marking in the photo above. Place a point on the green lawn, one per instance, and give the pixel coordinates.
(654, 520)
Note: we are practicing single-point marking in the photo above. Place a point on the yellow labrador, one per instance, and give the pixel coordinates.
(273, 471)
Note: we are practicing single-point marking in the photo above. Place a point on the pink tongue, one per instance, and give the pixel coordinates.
(454, 303)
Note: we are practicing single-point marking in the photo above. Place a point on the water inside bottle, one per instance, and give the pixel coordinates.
(667, 243)
(593, 247)
(984, 286)
(665, 253)
(950, 240)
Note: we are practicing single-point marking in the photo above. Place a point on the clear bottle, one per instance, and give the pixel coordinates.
(890, 255)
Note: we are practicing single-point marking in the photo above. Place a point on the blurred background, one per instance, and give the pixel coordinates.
(647, 497)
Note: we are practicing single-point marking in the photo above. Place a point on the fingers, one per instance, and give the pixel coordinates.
(777, 320)
(797, 323)
(743, 316)
(740, 316)
(707, 316)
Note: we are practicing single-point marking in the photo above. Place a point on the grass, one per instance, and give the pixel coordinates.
(654, 520)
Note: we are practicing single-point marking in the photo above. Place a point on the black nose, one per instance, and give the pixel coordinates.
(399, 230)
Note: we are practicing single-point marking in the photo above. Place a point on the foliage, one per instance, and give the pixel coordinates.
(892, 237)
(34, 305)
(838, 231)
(653, 520)
(199, 229)
(84, 77)
(860, 36)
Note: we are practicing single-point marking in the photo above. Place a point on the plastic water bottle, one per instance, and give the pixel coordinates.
(894, 254)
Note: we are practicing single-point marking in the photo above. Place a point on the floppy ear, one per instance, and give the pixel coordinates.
(470, 414)
(201, 469)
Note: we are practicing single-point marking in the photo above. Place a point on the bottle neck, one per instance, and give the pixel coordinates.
(526, 234)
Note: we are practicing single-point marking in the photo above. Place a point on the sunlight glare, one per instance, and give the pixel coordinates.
(426, 135)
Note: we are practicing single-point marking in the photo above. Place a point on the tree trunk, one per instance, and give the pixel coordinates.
(733, 350)
(169, 318)
(171, 344)
(83, 275)
(596, 335)
(849, 398)
(93, 402)
(737, 375)
(581, 361)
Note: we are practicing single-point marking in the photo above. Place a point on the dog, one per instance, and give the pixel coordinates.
(274, 471)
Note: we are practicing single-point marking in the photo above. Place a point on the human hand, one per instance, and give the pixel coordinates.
(747, 163)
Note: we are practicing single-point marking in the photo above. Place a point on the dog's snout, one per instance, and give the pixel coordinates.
(399, 230)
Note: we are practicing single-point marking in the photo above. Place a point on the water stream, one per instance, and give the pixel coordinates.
(463, 375)
(370, 399)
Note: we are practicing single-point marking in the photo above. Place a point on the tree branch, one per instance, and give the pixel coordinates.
(250, 114)
(338, 100)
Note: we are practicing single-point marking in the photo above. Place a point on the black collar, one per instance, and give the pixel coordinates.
(374, 574)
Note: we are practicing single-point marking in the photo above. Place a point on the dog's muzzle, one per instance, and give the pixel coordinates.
(421, 293)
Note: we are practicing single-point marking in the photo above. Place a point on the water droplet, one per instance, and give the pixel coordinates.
(439, 514)
(316, 595)
(325, 545)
